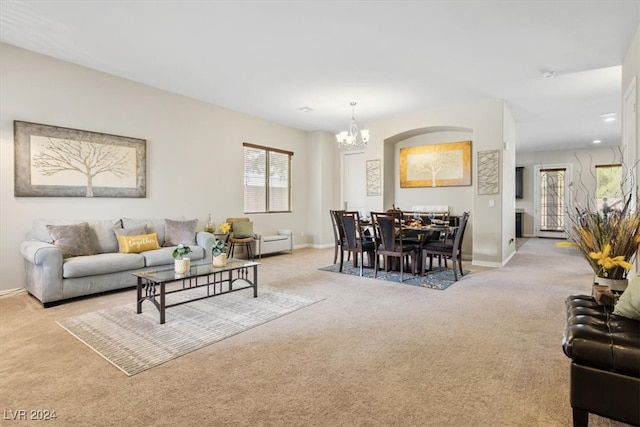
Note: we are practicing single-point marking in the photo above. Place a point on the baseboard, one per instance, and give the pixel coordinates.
(9, 292)
(306, 245)
(487, 264)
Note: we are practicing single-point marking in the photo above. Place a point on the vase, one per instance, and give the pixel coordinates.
(220, 260)
(618, 285)
(183, 265)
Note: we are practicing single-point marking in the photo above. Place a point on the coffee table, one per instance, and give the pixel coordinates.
(155, 285)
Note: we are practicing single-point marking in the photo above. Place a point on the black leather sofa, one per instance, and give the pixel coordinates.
(605, 362)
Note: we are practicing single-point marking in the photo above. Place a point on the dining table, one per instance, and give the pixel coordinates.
(414, 233)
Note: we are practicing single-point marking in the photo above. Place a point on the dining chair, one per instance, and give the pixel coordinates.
(355, 240)
(445, 250)
(388, 238)
(338, 233)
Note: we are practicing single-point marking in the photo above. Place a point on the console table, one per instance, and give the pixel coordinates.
(155, 285)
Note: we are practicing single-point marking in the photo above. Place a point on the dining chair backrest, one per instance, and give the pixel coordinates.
(338, 232)
(457, 239)
(350, 225)
(386, 226)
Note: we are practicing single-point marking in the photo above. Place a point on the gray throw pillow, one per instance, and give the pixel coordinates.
(242, 229)
(176, 232)
(73, 240)
(629, 303)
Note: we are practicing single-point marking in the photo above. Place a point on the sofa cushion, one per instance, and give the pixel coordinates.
(139, 243)
(153, 226)
(133, 231)
(176, 232)
(595, 338)
(100, 231)
(163, 256)
(72, 239)
(93, 265)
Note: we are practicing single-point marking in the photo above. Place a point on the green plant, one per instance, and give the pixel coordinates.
(219, 247)
(181, 250)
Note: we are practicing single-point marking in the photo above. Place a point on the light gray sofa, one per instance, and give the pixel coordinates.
(52, 278)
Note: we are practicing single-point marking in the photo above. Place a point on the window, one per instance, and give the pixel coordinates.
(609, 188)
(267, 178)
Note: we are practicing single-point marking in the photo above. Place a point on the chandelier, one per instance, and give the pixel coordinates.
(352, 139)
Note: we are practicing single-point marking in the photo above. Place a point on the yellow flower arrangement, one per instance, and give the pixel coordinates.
(225, 227)
(609, 241)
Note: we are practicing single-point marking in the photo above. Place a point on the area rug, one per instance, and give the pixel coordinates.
(439, 279)
(136, 342)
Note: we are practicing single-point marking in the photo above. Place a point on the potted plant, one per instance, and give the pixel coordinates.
(609, 242)
(219, 253)
(182, 262)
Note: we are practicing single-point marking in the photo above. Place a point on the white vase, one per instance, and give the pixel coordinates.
(220, 260)
(618, 285)
(183, 265)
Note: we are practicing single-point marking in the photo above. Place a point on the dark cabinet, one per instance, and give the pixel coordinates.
(519, 186)
(518, 224)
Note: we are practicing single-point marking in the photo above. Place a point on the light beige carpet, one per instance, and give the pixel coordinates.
(136, 342)
(485, 352)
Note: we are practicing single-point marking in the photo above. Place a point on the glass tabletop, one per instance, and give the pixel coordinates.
(198, 268)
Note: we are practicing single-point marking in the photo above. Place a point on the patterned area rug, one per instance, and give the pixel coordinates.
(136, 342)
(436, 279)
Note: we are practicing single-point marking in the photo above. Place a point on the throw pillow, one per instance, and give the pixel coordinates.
(137, 244)
(242, 229)
(73, 239)
(628, 304)
(176, 232)
(132, 231)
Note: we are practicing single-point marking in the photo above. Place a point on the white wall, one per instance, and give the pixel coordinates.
(583, 161)
(322, 191)
(631, 72)
(508, 185)
(485, 120)
(194, 150)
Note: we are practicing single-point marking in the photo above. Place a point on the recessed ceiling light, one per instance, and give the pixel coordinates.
(597, 141)
(305, 109)
(604, 115)
(610, 119)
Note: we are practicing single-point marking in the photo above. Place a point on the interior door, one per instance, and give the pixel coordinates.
(354, 184)
(551, 198)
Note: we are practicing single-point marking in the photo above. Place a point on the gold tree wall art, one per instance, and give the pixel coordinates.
(52, 161)
(436, 165)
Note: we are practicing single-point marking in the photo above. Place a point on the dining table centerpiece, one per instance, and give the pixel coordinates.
(608, 240)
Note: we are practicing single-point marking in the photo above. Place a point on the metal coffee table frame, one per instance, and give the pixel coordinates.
(152, 284)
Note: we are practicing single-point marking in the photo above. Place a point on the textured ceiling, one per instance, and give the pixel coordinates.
(269, 58)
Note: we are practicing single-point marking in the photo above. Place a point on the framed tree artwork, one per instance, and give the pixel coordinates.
(53, 161)
(436, 165)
